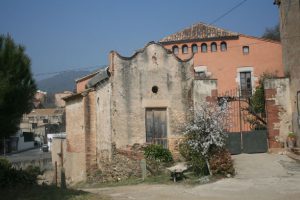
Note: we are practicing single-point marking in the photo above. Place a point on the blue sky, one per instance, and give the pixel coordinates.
(70, 34)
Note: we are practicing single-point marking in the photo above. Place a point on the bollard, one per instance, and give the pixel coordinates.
(144, 168)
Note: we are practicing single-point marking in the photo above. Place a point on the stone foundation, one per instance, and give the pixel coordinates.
(124, 164)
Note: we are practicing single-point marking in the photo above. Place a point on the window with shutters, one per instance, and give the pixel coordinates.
(246, 84)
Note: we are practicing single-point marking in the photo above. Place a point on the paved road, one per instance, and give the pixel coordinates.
(259, 177)
(33, 154)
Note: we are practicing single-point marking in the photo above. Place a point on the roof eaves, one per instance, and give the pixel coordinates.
(72, 96)
(87, 76)
(101, 76)
(201, 40)
(198, 31)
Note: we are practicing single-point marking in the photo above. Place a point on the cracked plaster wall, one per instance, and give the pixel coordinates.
(132, 82)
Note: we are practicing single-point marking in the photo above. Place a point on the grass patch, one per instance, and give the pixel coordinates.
(47, 193)
(189, 179)
(130, 181)
(164, 178)
(159, 179)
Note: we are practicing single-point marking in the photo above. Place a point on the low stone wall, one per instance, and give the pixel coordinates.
(125, 163)
(43, 164)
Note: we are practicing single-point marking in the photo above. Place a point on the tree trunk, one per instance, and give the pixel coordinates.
(208, 166)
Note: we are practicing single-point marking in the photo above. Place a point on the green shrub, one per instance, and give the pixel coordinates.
(11, 177)
(291, 134)
(221, 162)
(4, 164)
(156, 157)
(158, 153)
(194, 159)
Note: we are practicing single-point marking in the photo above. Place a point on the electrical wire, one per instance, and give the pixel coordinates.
(189, 47)
(228, 12)
(213, 22)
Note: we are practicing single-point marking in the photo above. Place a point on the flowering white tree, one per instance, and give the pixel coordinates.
(207, 129)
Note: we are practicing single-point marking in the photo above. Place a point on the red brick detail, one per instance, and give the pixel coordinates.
(270, 93)
(131, 154)
(272, 111)
(273, 133)
(214, 93)
(274, 144)
(214, 96)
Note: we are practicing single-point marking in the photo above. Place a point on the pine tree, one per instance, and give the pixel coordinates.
(17, 87)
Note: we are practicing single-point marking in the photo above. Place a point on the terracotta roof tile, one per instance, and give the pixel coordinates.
(198, 31)
(46, 111)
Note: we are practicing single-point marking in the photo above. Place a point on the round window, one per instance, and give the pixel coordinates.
(154, 89)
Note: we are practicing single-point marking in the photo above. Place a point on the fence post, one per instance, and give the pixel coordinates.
(240, 118)
(55, 175)
(144, 168)
(62, 174)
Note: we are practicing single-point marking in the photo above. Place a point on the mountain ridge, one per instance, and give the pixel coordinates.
(64, 81)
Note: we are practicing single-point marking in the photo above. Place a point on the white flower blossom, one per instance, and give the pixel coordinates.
(208, 127)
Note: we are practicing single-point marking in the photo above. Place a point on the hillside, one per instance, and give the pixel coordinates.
(61, 82)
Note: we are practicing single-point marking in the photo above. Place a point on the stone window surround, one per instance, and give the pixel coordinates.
(202, 68)
(158, 103)
(246, 69)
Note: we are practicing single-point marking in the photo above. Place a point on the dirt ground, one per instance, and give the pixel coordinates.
(259, 177)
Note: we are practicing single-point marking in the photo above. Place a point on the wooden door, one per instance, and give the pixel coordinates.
(156, 126)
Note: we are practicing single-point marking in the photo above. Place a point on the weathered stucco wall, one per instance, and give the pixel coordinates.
(59, 147)
(290, 30)
(89, 101)
(202, 91)
(278, 110)
(103, 122)
(133, 79)
(75, 129)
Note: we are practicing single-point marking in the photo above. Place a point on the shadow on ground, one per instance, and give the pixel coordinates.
(47, 193)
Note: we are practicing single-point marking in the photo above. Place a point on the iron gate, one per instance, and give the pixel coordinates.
(247, 131)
